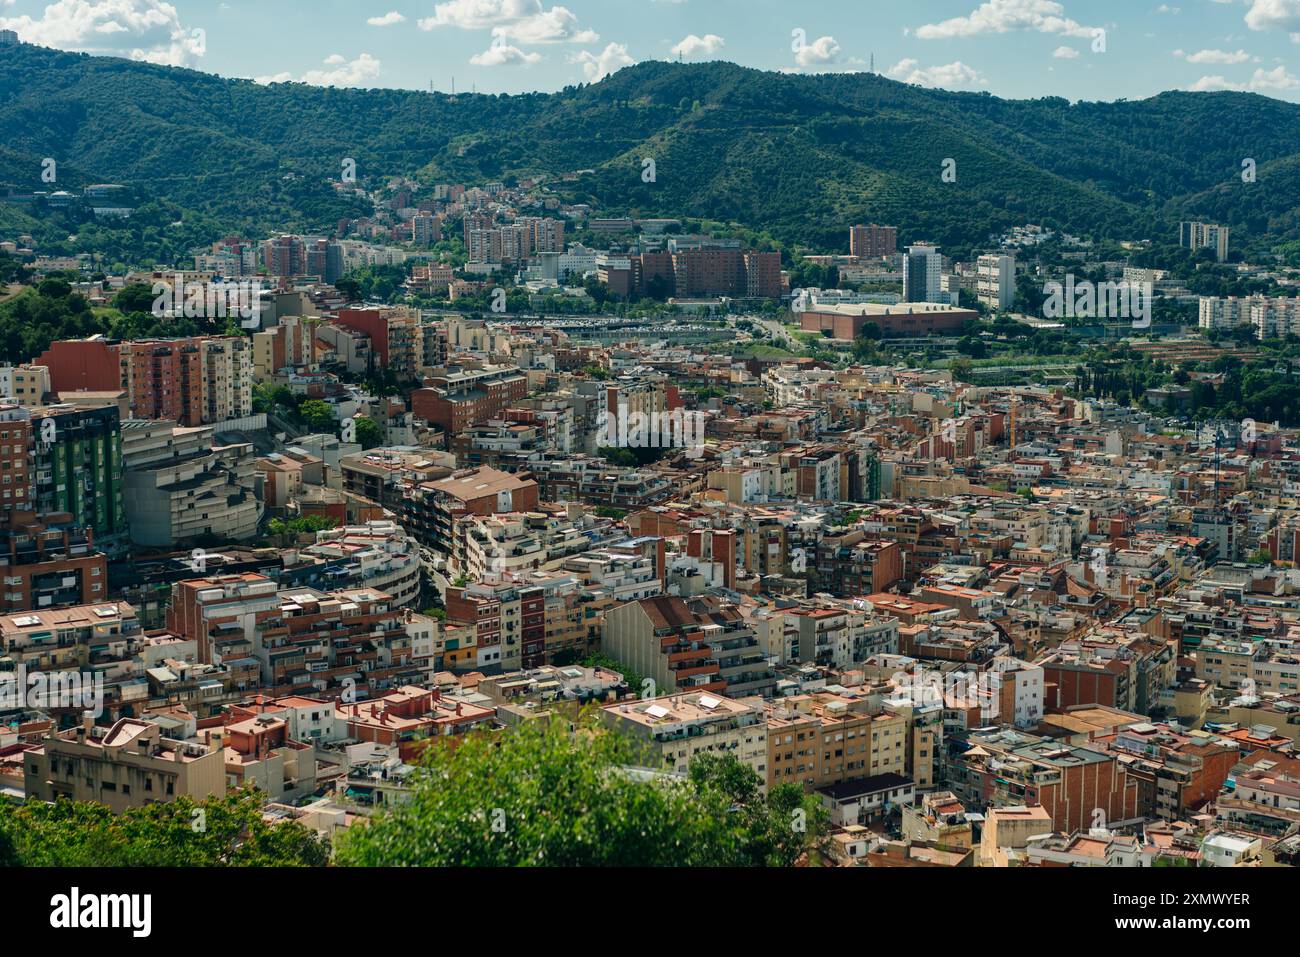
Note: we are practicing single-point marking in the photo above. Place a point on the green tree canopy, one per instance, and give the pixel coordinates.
(541, 794)
(217, 832)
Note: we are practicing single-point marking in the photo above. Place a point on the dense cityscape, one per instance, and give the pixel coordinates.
(489, 523)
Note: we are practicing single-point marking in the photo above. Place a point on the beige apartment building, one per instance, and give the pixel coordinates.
(675, 728)
(1007, 831)
(126, 766)
(824, 738)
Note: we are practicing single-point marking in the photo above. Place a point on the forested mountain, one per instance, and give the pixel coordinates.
(799, 157)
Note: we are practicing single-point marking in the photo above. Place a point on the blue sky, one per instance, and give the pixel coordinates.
(1011, 48)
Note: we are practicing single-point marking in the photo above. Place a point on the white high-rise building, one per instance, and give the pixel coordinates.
(1225, 312)
(1204, 236)
(922, 268)
(995, 281)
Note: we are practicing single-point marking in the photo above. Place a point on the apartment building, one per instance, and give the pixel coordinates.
(1225, 312)
(995, 281)
(516, 542)
(1008, 768)
(705, 272)
(408, 718)
(396, 337)
(672, 729)
(431, 509)
(292, 344)
(194, 381)
(593, 481)
(378, 554)
(824, 738)
(873, 242)
(841, 633)
(503, 613)
(1176, 773)
(285, 256)
(1194, 236)
(922, 271)
(48, 561)
(699, 644)
(457, 398)
(26, 385)
(126, 766)
(304, 640)
(1262, 667)
(177, 486)
(623, 570)
(79, 470)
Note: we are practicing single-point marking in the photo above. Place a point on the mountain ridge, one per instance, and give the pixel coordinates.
(798, 157)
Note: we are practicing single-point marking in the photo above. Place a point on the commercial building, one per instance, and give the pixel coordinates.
(846, 321)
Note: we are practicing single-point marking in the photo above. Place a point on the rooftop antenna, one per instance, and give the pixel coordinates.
(872, 68)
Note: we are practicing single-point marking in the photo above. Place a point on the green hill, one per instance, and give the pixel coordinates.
(799, 157)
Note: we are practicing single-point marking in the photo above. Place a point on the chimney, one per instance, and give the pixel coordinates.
(458, 707)
(87, 721)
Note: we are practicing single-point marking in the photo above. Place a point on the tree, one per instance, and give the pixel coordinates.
(306, 524)
(369, 432)
(220, 831)
(317, 415)
(134, 297)
(961, 370)
(542, 794)
(777, 829)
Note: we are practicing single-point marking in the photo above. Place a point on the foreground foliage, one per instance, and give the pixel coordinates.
(218, 832)
(540, 795)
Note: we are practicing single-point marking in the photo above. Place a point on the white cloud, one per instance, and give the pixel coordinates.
(524, 21)
(1275, 15)
(389, 19)
(1214, 56)
(950, 76)
(501, 53)
(692, 46)
(821, 51)
(1166, 8)
(1065, 53)
(341, 72)
(148, 30)
(597, 66)
(1004, 16)
(1263, 81)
